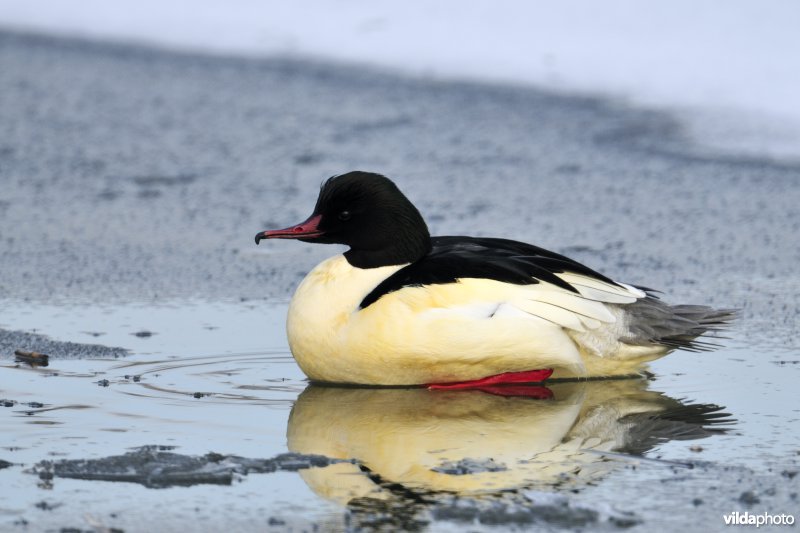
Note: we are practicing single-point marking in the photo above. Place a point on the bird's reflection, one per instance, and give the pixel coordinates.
(474, 442)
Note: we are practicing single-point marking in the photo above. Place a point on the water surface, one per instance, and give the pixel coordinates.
(202, 382)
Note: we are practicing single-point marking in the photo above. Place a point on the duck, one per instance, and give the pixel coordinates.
(402, 308)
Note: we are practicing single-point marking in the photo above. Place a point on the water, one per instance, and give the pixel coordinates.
(219, 378)
(189, 385)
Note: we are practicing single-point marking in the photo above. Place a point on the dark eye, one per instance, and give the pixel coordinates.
(344, 215)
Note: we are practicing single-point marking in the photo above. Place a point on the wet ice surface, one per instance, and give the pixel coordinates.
(187, 385)
(195, 423)
(133, 183)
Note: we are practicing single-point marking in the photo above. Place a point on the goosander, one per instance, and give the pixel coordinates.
(403, 308)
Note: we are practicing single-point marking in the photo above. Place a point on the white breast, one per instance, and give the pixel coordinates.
(320, 311)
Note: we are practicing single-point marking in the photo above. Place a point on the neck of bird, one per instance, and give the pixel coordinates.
(401, 251)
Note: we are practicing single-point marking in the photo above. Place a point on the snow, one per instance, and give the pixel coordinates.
(730, 67)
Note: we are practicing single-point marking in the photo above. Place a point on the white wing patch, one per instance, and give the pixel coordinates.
(582, 312)
(568, 310)
(601, 291)
(552, 313)
(585, 311)
(592, 312)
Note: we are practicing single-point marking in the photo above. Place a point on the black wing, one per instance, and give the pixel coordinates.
(452, 258)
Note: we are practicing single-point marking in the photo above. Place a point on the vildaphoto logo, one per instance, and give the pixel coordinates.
(765, 519)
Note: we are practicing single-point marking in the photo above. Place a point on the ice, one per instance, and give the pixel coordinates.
(731, 67)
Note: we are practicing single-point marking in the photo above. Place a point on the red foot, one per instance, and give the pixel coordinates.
(536, 392)
(528, 376)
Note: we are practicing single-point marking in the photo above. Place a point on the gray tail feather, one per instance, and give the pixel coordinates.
(679, 422)
(651, 321)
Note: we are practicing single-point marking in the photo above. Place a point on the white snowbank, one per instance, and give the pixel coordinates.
(731, 66)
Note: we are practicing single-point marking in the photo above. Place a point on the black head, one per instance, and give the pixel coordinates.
(368, 213)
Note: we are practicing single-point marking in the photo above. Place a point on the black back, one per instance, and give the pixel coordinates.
(453, 258)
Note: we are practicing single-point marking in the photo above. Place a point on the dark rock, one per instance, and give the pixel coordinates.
(749, 498)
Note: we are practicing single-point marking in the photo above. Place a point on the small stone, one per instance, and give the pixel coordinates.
(46, 506)
(749, 498)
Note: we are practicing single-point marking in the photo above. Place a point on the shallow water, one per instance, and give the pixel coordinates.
(201, 382)
(218, 378)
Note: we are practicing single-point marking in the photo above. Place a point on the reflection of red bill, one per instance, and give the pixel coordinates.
(506, 378)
